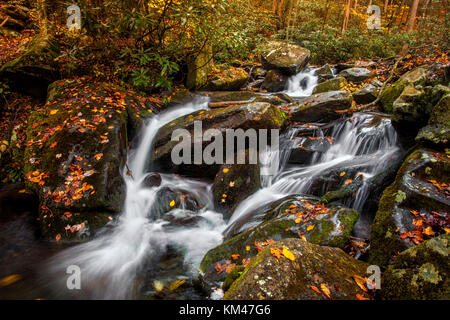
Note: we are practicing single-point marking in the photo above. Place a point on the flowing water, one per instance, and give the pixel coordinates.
(112, 263)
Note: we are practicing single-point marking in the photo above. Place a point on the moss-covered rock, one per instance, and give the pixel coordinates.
(334, 84)
(232, 184)
(231, 79)
(290, 217)
(76, 148)
(409, 206)
(321, 107)
(249, 116)
(437, 132)
(419, 273)
(289, 59)
(366, 94)
(269, 278)
(35, 69)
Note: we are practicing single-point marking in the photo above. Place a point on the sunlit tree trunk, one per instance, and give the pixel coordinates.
(43, 21)
(347, 16)
(412, 15)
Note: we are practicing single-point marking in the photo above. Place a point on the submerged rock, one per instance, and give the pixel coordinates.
(415, 207)
(76, 148)
(329, 270)
(35, 69)
(419, 273)
(289, 59)
(321, 107)
(290, 217)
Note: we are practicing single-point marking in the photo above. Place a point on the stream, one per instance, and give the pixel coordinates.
(140, 251)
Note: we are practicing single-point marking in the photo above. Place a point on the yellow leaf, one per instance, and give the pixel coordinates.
(310, 228)
(360, 281)
(247, 248)
(174, 285)
(342, 173)
(225, 170)
(325, 289)
(172, 203)
(6, 281)
(288, 254)
(52, 112)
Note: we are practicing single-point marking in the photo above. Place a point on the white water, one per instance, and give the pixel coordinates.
(111, 262)
(302, 84)
(354, 140)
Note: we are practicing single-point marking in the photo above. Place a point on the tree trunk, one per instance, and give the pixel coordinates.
(347, 16)
(412, 15)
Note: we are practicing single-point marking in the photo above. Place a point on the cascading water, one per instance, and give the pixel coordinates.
(358, 143)
(111, 262)
(302, 84)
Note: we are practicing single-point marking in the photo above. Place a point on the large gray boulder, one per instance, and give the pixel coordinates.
(287, 58)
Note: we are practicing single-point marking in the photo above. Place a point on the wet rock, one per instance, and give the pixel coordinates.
(76, 148)
(232, 184)
(414, 202)
(306, 149)
(232, 79)
(249, 116)
(169, 199)
(334, 84)
(321, 107)
(35, 69)
(354, 64)
(366, 94)
(267, 278)
(391, 93)
(223, 96)
(419, 273)
(14, 198)
(152, 180)
(356, 74)
(272, 99)
(437, 132)
(324, 73)
(289, 59)
(278, 220)
(275, 81)
(414, 105)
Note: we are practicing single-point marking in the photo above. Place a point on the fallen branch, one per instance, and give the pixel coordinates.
(223, 104)
(4, 21)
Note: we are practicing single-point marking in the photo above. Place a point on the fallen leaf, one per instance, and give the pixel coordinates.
(288, 254)
(176, 284)
(325, 289)
(6, 281)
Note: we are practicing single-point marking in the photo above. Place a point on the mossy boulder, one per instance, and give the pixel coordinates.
(289, 59)
(321, 107)
(356, 74)
(414, 105)
(290, 217)
(269, 278)
(334, 84)
(249, 116)
(415, 77)
(410, 208)
(324, 73)
(232, 184)
(275, 81)
(231, 79)
(419, 273)
(437, 132)
(35, 69)
(75, 150)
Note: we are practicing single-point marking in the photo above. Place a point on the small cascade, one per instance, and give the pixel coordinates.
(302, 84)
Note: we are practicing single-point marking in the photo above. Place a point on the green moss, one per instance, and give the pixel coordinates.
(391, 93)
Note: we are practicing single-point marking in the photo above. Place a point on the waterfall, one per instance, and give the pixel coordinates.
(358, 142)
(110, 263)
(302, 84)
